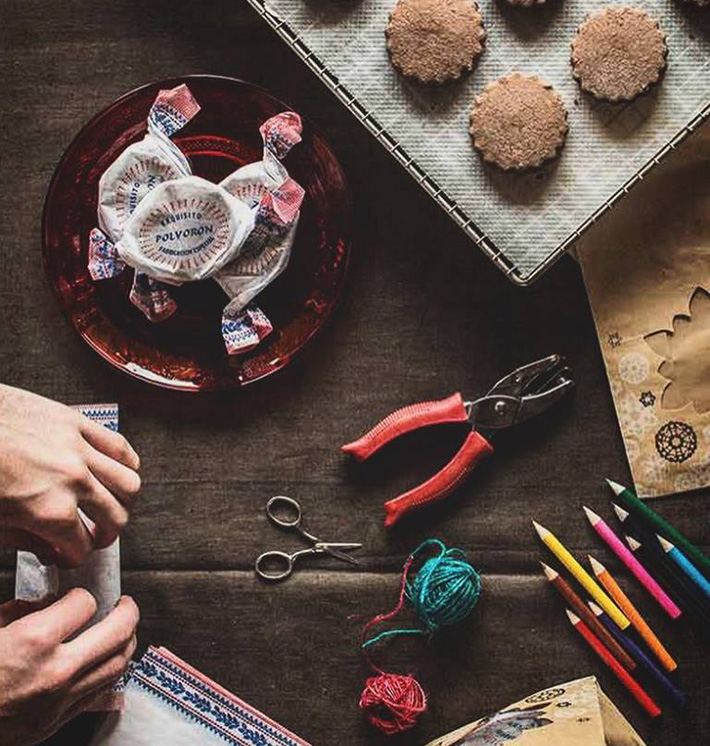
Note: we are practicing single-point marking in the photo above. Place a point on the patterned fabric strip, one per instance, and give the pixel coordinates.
(104, 261)
(172, 110)
(199, 699)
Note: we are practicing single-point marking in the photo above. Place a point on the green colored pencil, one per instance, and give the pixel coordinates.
(641, 509)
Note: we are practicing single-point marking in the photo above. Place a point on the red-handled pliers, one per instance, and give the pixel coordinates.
(517, 397)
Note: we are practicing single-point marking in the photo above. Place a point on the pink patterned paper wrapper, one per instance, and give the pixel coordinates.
(167, 701)
(101, 575)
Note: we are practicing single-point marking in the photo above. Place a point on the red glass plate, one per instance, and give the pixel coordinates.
(186, 352)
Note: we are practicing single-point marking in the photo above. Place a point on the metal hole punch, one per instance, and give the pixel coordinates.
(517, 397)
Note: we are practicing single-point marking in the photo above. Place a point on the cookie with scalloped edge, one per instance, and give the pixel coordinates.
(518, 122)
(618, 53)
(435, 41)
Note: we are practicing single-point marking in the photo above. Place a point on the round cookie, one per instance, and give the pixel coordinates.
(435, 40)
(518, 122)
(618, 53)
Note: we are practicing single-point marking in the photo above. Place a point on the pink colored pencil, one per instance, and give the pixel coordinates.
(635, 567)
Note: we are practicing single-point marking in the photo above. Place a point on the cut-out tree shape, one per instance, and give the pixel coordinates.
(686, 355)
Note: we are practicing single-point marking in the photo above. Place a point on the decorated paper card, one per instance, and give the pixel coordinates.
(577, 712)
(167, 701)
(647, 270)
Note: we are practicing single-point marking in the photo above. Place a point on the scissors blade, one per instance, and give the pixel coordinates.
(334, 551)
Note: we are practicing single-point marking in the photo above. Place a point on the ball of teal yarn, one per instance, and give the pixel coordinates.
(445, 590)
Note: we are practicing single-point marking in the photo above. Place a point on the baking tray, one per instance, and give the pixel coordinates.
(522, 222)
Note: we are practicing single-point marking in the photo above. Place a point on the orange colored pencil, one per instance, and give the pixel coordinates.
(633, 614)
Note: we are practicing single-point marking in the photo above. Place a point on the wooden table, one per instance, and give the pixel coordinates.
(424, 315)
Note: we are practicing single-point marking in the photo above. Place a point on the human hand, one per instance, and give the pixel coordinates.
(53, 460)
(45, 681)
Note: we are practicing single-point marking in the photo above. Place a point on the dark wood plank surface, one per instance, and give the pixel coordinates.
(424, 314)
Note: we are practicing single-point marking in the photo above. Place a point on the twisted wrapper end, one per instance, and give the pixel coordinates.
(243, 330)
(104, 261)
(281, 133)
(152, 298)
(172, 110)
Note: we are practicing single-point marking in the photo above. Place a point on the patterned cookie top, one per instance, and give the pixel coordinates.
(618, 53)
(518, 122)
(435, 40)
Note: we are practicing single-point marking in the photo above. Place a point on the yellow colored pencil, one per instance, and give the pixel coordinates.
(581, 575)
(633, 614)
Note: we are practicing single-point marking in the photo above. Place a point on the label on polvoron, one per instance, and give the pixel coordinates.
(185, 234)
(185, 230)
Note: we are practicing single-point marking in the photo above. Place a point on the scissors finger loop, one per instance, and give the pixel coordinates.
(284, 511)
(274, 565)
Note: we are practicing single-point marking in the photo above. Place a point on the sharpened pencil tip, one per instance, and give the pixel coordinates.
(572, 617)
(596, 610)
(597, 567)
(615, 486)
(541, 530)
(550, 574)
(633, 544)
(591, 515)
(667, 546)
(621, 514)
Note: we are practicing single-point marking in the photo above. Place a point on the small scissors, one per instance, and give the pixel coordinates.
(281, 562)
(517, 397)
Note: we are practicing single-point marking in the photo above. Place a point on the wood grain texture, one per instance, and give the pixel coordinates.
(424, 315)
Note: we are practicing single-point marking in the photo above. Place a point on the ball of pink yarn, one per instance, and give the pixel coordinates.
(393, 702)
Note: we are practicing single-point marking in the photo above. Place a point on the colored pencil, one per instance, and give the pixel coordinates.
(582, 610)
(668, 689)
(675, 581)
(624, 603)
(685, 565)
(632, 503)
(635, 567)
(581, 575)
(635, 689)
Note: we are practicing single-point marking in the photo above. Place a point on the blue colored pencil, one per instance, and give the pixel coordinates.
(685, 565)
(664, 684)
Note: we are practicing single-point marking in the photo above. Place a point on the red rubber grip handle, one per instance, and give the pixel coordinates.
(406, 420)
(441, 485)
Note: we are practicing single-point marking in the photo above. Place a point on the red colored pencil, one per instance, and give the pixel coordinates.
(621, 673)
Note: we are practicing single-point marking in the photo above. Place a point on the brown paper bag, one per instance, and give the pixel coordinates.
(647, 271)
(577, 712)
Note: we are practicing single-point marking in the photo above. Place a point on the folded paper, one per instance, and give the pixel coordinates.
(577, 712)
(167, 701)
(172, 227)
(100, 575)
(647, 272)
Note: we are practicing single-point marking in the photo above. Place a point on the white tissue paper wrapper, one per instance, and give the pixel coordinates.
(173, 227)
(146, 164)
(100, 575)
(170, 703)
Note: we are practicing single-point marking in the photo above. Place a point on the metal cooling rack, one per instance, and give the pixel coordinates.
(342, 42)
